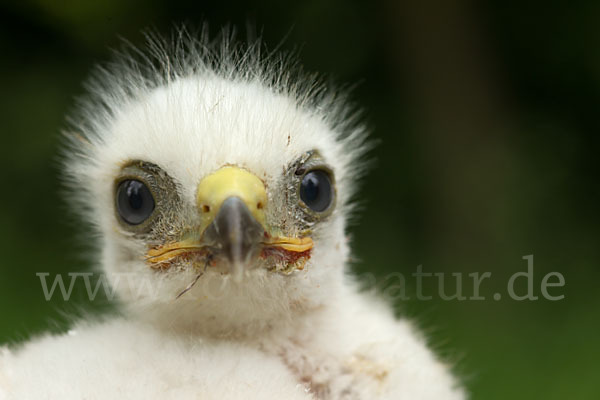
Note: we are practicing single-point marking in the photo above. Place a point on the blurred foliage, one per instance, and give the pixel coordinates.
(486, 114)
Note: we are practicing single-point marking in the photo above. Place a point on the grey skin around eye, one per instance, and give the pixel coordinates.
(159, 185)
(310, 162)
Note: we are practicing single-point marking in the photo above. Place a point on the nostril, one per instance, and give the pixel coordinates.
(206, 208)
(259, 205)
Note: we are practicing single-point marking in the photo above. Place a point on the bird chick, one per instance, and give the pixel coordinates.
(222, 180)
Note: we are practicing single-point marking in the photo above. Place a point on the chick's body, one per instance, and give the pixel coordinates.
(227, 178)
(122, 359)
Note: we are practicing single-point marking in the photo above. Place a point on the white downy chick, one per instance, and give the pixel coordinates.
(222, 180)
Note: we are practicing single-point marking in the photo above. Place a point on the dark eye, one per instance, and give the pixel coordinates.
(134, 201)
(316, 190)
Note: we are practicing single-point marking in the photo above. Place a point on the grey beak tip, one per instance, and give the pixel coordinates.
(235, 231)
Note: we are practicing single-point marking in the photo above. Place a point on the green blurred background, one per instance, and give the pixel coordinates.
(487, 116)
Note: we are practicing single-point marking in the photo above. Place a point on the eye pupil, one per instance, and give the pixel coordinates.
(135, 203)
(136, 200)
(316, 190)
(311, 188)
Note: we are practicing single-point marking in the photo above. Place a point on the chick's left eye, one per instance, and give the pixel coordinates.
(316, 190)
(135, 203)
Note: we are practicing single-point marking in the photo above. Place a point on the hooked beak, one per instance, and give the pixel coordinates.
(231, 203)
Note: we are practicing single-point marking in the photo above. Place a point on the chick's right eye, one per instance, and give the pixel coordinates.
(135, 203)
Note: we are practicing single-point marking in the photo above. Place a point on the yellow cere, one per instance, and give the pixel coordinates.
(226, 182)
